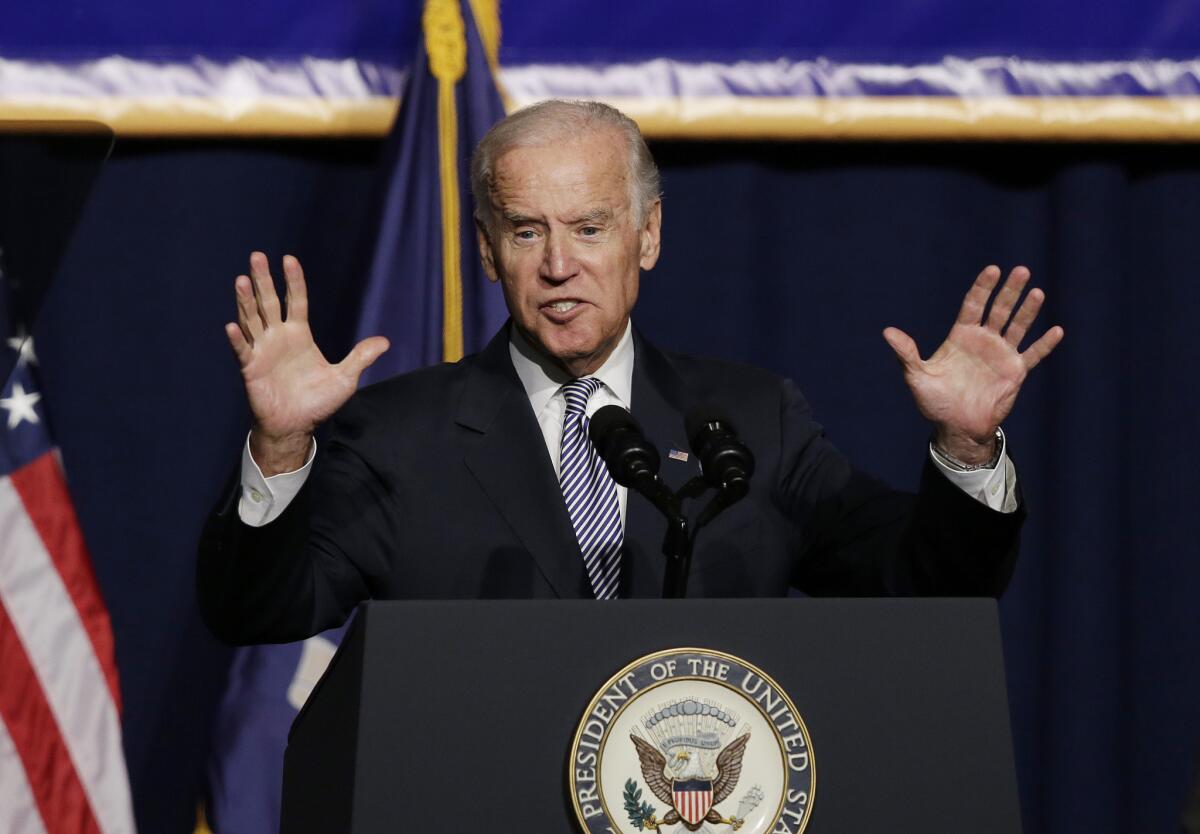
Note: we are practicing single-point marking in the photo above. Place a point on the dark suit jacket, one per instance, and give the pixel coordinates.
(1190, 821)
(437, 484)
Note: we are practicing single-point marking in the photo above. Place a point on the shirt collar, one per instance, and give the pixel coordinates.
(542, 378)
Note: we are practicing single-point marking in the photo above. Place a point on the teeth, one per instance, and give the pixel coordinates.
(564, 306)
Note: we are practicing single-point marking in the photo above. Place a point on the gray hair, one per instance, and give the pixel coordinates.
(554, 120)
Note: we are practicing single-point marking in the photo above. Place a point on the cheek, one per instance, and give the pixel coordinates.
(517, 284)
(632, 285)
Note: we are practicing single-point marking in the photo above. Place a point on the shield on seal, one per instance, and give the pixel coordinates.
(693, 798)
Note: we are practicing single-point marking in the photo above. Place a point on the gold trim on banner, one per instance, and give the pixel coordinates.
(185, 116)
(887, 118)
(446, 44)
(918, 118)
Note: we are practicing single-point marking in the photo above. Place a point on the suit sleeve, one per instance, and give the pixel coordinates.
(858, 537)
(305, 571)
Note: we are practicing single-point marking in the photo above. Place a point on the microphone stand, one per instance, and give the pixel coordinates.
(680, 541)
(677, 547)
(680, 538)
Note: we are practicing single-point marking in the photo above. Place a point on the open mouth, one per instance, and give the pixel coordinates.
(562, 312)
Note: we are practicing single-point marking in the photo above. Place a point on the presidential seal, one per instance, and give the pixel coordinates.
(692, 740)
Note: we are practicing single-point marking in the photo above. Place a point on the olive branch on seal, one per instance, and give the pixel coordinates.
(639, 812)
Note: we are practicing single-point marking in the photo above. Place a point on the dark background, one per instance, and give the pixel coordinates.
(791, 256)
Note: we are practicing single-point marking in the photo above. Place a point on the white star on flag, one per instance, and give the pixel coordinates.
(20, 406)
(23, 345)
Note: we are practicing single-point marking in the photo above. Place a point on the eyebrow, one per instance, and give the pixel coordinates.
(519, 219)
(594, 214)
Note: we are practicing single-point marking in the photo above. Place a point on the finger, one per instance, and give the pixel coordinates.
(1026, 313)
(1006, 299)
(363, 356)
(977, 297)
(1040, 349)
(237, 341)
(249, 319)
(297, 292)
(264, 289)
(904, 347)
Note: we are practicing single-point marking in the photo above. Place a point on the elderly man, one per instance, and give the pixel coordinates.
(476, 479)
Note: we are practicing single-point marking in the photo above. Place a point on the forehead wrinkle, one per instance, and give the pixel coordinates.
(600, 213)
(567, 191)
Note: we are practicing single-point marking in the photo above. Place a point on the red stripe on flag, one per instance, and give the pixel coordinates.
(52, 778)
(43, 491)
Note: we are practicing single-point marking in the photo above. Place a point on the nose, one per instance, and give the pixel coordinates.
(558, 263)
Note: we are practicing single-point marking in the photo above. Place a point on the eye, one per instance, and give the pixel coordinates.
(525, 234)
(589, 231)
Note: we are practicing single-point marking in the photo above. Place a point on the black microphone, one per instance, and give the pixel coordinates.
(725, 461)
(631, 459)
(633, 462)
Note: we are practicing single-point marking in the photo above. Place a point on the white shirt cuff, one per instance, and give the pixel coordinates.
(995, 487)
(264, 499)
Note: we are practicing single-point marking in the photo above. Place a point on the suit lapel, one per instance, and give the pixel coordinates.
(660, 399)
(521, 485)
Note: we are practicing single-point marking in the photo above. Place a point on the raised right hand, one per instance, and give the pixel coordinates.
(290, 385)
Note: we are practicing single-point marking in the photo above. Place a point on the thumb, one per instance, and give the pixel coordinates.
(903, 345)
(364, 355)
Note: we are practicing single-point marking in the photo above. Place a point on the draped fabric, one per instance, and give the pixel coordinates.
(792, 256)
(696, 68)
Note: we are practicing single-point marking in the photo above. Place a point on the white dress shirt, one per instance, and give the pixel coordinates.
(543, 385)
(264, 499)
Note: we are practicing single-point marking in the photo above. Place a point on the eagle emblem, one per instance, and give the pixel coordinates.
(715, 747)
(689, 769)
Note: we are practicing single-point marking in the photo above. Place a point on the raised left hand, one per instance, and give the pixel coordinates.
(970, 384)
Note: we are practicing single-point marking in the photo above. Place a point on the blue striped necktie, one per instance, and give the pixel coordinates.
(590, 493)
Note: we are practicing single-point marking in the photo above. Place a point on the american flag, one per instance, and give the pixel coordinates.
(62, 769)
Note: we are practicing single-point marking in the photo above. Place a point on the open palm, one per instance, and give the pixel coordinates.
(290, 385)
(970, 384)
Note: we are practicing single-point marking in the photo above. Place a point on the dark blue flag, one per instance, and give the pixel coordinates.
(428, 294)
(426, 278)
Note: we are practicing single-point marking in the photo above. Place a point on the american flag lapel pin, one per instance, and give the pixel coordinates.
(675, 454)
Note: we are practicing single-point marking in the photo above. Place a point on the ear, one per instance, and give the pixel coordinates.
(651, 235)
(485, 252)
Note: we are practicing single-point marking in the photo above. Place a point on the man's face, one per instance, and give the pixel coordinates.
(566, 246)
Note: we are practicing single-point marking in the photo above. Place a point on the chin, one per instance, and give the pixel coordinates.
(567, 347)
